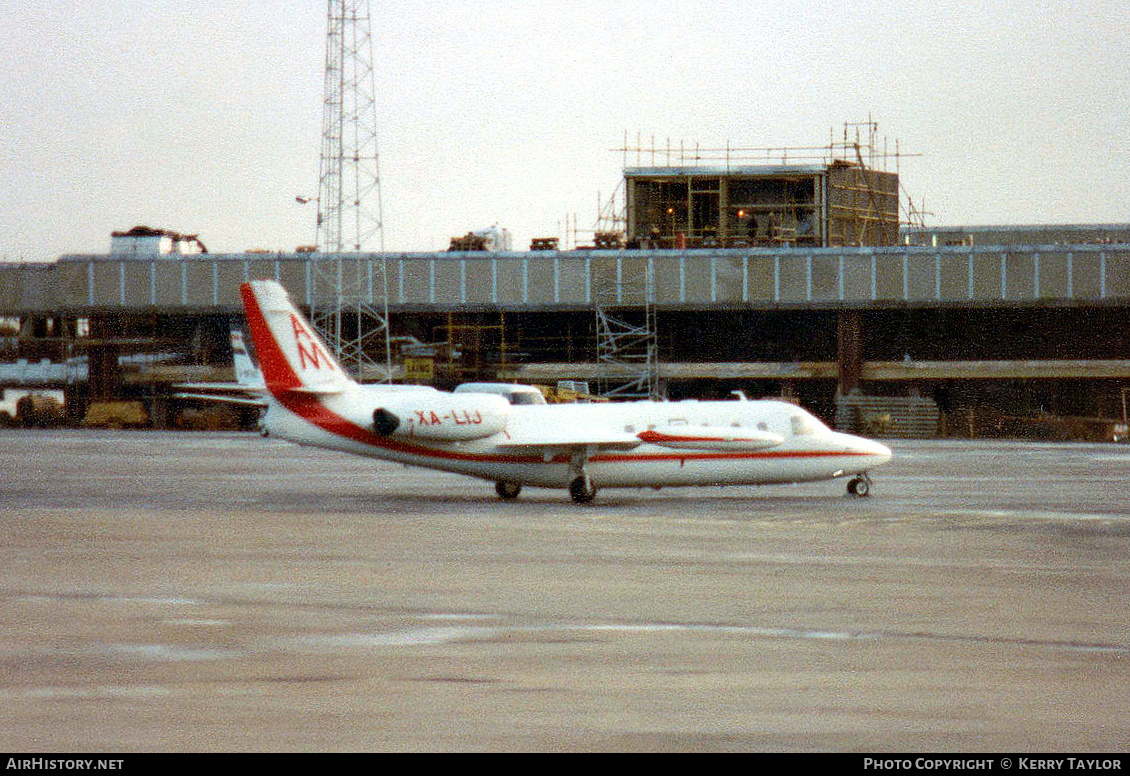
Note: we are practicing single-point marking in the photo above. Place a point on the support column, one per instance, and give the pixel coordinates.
(105, 375)
(75, 403)
(102, 359)
(849, 350)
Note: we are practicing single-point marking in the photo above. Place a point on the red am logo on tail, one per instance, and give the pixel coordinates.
(309, 351)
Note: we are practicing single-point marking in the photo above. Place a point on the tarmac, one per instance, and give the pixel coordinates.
(188, 592)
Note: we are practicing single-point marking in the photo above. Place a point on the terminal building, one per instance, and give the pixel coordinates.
(787, 280)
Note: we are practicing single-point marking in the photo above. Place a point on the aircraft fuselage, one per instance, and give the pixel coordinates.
(808, 450)
(481, 431)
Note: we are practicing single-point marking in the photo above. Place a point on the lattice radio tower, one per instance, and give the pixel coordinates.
(349, 290)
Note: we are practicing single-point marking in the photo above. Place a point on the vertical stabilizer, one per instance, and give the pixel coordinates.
(246, 373)
(292, 357)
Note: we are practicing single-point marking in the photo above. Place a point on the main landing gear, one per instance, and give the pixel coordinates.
(582, 489)
(507, 491)
(859, 486)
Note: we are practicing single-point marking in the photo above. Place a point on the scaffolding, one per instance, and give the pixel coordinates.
(838, 194)
(627, 348)
(859, 142)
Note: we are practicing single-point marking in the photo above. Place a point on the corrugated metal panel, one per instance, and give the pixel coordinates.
(478, 278)
(573, 281)
(510, 273)
(758, 278)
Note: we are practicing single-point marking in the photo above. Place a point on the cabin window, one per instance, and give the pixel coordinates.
(763, 426)
(630, 429)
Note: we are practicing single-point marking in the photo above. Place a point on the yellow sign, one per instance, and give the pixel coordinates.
(419, 369)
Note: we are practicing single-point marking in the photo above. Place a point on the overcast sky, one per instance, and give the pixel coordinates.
(204, 116)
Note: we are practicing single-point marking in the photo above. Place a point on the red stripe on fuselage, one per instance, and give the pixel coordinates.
(311, 409)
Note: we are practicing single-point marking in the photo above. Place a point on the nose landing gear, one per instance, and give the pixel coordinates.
(859, 486)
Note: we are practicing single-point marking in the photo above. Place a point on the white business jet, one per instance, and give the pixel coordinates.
(506, 435)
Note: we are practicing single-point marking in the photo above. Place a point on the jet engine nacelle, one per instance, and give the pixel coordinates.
(442, 416)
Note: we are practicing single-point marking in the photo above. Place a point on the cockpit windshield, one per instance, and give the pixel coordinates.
(805, 425)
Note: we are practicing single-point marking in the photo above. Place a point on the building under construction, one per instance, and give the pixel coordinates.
(811, 206)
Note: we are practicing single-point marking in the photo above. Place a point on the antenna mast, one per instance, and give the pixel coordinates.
(346, 290)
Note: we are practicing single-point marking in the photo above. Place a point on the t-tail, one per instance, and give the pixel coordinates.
(292, 357)
(246, 373)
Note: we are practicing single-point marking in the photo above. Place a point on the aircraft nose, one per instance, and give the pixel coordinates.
(880, 452)
(876, 453)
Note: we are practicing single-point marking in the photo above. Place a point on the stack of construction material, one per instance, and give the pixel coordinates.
(38, 410)
(608, 240)
(468, 242)
(116, 414)
(907, 417)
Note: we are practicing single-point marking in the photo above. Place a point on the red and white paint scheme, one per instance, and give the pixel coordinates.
(477, 431)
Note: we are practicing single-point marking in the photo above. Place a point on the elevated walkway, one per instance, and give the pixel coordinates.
(750, 278)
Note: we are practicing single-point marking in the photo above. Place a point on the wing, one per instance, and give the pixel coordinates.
(570, 439)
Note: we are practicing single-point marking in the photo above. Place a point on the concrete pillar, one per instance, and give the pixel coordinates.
(75, 403)
(105, 375)
(849, 350)
(102, 355)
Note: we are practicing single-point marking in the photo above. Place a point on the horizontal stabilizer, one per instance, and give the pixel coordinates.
(315, 390)
(243, 401)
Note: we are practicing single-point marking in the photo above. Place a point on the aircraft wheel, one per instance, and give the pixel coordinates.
(507, 491)
(858, 486)
(582, 490)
